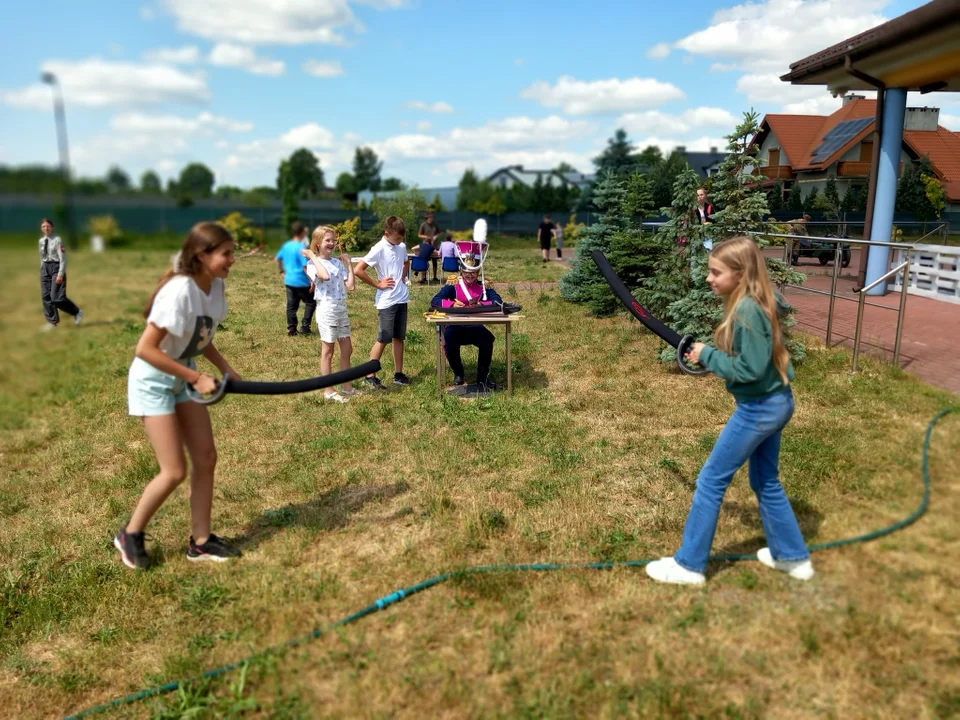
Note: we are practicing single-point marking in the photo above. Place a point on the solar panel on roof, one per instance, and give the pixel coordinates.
(838, 137)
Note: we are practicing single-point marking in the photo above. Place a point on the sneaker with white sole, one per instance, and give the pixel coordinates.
(667, 570)
(335, 397)
(78, 318)
(797, 569)
(132, 550)
(215, 549)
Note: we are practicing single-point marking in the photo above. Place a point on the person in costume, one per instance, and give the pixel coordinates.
(468, 291)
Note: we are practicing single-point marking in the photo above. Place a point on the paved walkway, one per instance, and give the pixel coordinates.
(930, 348)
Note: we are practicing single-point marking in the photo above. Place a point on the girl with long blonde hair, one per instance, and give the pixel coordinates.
(749, 354)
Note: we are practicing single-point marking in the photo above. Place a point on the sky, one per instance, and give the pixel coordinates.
(433, 86)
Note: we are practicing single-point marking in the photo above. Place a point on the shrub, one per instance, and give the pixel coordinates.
(407, 205)
(573, 230)
(246, 235)
(349, 234)
(107, 227)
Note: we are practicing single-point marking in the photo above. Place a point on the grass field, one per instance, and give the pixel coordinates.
(594, 458)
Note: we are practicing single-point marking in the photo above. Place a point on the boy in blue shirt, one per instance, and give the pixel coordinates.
(293, 268)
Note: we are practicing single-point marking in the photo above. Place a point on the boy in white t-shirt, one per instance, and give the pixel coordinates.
(331, 278)
(389, 258)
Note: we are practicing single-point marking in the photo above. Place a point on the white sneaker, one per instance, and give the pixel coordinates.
(47, 327)
(668, 571)
(797, 569)
(78, 318)
(336, 397)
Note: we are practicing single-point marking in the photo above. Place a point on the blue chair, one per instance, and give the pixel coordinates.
(419, 264)
(450, 265)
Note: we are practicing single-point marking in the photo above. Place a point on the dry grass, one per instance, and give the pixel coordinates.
(594, 458)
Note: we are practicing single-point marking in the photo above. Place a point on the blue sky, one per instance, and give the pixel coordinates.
(433, 86)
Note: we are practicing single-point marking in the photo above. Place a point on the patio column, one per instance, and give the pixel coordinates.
(885, 198)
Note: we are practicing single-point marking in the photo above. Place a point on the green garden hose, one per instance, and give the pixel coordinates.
(400, 595)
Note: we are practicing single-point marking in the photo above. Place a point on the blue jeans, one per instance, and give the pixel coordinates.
(752, 434)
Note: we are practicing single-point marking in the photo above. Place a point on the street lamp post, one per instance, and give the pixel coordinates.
(61, 119)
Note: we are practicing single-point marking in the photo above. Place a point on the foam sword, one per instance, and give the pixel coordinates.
(668, 335)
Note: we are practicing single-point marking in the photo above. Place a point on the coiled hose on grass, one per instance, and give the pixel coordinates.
(400, 595)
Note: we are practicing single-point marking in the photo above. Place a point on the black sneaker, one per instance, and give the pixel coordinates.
(214, 549)
(306, 331)
(400, 379)
(373, 382)
(291, 333)
(489, 385)
(132, 551)
(458, 380)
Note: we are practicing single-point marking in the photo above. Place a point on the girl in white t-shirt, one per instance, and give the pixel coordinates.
(331, 278)
(182, 317)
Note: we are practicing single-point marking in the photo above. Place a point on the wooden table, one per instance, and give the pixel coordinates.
(478, 319)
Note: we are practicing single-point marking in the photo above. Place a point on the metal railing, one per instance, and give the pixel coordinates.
(837, 259)
(905, 268)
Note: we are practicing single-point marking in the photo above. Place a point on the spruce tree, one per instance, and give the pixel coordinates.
(775, 200)
(795, 199)
(810, 201)
(584, 283)
(830, 193)
(678, 293)
(853, 200)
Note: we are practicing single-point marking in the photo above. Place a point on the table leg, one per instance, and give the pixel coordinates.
(440, 366)
(509, 361)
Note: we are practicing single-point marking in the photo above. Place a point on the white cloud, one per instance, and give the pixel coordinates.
(268, 153)
(578, 97)
(187, 55)
(323, 68)
(147, 13)
(950, 122)
(761, 39)
(437, 107)
(509, 136)
(155, 124)
(97, 83)
(266, 22)
(658, 51)
(770, 35)
(238, 56)
(135, 140)
(533, 142)
(656, 122)
(767, 89)
(424, 125)
(167, 165)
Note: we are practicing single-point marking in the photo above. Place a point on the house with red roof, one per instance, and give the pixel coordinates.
(809, 149)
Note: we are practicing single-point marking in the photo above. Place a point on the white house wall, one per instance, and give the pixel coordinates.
(771, 142)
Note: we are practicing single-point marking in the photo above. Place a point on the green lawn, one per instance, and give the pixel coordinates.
(594, 458)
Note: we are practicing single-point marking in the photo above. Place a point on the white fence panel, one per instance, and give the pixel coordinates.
(934, 272)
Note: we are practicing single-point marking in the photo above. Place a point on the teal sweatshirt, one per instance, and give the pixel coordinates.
(749, 369)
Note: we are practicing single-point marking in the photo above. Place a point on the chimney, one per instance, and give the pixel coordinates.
(921, 119)
(713, 148)
(847, 99)
(681, 148)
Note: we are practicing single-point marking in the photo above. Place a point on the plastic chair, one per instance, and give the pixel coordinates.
(450, 265)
